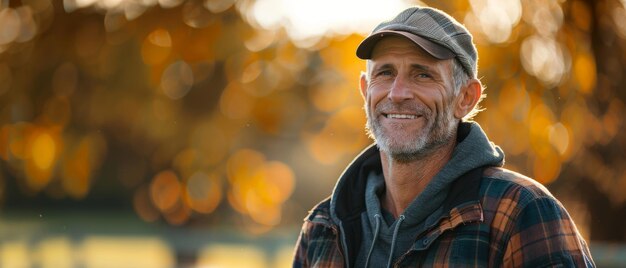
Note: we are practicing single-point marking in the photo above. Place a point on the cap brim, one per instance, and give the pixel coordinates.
(364, 51)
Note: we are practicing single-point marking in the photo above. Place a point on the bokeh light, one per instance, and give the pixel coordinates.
(177, 80)
(342, 133)
(10, 21)
(42, 148)
(241, 114)
(231, 256)
(14, 254)
(203, 192)
(100, 251)
(156, 47)
(165, 191)
(497, 18)
(301, 17)
(56, 253)
(259, 187)
(545, 59)
(80, 162)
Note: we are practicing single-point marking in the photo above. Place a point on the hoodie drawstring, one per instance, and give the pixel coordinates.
(393, 239)
(369, 254)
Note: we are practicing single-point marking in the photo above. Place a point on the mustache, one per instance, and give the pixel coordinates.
(403, 107)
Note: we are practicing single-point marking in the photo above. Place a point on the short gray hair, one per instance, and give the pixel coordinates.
(461, 79)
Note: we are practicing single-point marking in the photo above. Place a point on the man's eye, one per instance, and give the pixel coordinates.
(424, 75)
(385, 72)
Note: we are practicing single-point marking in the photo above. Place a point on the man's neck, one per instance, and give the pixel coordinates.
(405, 181)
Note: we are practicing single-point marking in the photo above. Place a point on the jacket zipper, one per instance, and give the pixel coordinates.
(433, 227)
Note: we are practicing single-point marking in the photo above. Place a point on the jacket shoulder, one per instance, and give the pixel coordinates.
(320, 213)
(529, 224)
(505, 183)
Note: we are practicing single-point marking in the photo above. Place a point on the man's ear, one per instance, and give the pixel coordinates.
(363, 84)
(468, 98)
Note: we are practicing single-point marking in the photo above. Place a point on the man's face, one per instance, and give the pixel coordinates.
(409, 100)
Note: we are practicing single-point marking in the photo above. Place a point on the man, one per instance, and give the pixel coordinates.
(432, 191)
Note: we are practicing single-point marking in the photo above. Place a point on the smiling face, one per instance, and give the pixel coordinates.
(409, 100)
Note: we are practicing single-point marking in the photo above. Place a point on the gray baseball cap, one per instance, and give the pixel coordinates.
(436, 32)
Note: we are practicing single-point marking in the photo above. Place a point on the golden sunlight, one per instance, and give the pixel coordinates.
(305, 23)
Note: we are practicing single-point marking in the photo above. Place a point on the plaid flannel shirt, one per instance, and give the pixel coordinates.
(513, 221)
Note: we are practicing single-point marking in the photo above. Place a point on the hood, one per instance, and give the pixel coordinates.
(473, 150)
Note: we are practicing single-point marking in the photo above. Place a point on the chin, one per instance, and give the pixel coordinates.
(393, 147)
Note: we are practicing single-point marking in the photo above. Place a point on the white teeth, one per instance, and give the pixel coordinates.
(401, 116)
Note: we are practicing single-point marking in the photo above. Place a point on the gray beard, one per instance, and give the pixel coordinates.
(437, 132)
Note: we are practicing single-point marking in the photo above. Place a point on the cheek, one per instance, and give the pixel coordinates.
(430, 99)
(448, 101)
(442, 99)
(451, 103)
(374, 96)
(379, 86)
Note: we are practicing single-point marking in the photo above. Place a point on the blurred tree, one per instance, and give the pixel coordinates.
(190, 112)
(602, 168)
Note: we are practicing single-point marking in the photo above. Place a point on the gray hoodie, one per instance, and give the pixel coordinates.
(380, 239)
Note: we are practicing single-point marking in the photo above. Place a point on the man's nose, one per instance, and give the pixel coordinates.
(399, 90)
